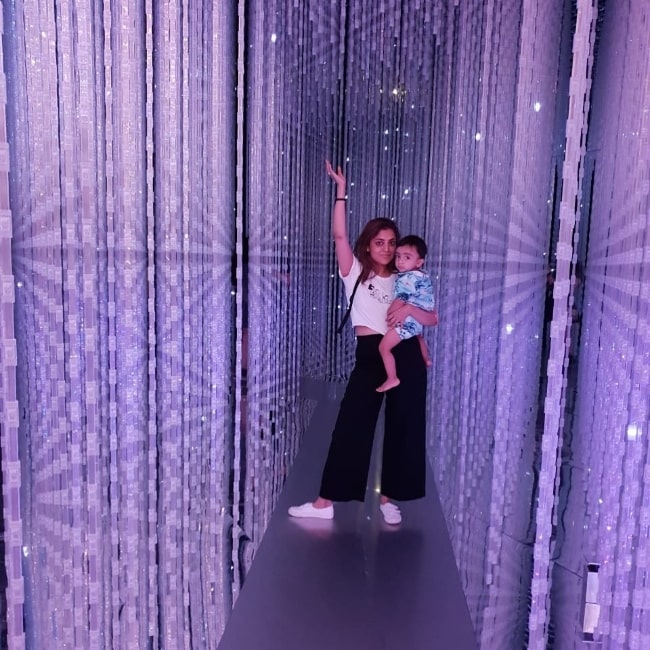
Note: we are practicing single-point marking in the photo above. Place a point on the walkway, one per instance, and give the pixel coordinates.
(353, 583)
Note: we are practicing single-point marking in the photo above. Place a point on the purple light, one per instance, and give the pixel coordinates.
(167, 280)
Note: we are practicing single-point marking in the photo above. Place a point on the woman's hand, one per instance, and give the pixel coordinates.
(400, 310)
(337, 177)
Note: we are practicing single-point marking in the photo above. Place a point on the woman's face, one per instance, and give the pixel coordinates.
(382, 248)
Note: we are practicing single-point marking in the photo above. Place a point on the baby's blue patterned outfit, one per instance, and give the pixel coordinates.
(415, 288)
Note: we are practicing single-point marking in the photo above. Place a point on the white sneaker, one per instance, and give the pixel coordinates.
(391, 513)
(309, 510)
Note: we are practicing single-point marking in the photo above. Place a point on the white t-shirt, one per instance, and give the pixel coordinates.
(372, 299)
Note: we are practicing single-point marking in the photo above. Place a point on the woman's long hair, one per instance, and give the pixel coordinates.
(370, 231)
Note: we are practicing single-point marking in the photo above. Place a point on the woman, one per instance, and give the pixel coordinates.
(372, 313)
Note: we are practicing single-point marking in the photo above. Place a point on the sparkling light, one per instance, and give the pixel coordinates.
(170, 245)
(633, 432)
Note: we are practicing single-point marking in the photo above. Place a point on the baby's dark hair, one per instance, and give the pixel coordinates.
(416, 242)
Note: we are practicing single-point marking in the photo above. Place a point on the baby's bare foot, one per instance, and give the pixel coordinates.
(388, 384)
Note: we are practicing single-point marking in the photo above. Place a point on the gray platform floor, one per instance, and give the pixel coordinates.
(352, 583)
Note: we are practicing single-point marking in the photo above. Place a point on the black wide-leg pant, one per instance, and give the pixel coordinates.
(404, 452)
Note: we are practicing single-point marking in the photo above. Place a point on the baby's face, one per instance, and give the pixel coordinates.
(407, 259)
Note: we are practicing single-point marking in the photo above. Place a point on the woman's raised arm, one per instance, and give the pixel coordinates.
(344, 254)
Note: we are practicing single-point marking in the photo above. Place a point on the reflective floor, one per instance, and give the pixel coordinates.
(354, 582)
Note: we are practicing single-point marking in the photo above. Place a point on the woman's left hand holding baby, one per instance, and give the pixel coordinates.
(398, 312)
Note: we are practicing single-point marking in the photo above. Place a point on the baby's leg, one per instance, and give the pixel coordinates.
(424, 348)
(390, 340)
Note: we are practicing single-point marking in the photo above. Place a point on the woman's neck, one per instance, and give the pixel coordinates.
(382, 272)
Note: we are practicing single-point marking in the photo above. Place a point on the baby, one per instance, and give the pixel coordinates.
(412, 286)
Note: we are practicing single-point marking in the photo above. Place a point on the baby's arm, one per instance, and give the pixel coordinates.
(423, 304)
(406, 295)
(404, 289)
(399, 310)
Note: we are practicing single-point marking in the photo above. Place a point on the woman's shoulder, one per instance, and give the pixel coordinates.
(354, 271)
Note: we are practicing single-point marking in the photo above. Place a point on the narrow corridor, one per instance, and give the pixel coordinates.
(353, 583)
